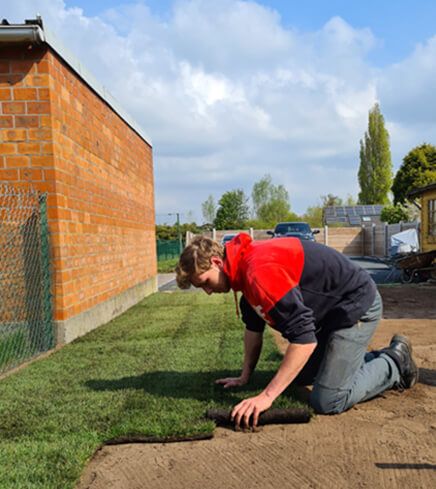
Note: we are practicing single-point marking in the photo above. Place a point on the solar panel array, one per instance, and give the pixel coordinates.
(351, 215)
(355, 220)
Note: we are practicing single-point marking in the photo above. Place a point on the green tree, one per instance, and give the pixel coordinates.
(393, 214)
(417, 170)
(375, 171)
(208, 209)
(331, 200)
(189, 216)
(232, 211)
(350, 200)
(314, 216)
(270, 202)
(167, 232)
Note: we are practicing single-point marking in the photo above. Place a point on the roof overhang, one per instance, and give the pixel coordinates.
(417, 192)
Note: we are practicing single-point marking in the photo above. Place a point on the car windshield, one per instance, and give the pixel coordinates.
(292, 227)
(228, 237)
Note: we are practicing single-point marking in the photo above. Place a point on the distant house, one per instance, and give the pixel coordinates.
(352, 215)
(427, 197)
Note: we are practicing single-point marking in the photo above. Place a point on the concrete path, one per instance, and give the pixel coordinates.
(166, 281)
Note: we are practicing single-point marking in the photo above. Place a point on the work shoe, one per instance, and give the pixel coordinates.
(400, 350)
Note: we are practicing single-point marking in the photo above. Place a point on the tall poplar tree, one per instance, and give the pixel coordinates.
(375, 171)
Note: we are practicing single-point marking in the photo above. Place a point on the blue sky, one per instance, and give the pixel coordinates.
(231, 90)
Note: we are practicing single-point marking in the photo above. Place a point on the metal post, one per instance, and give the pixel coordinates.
(45, 265)
(373, 239)
(386, 239)
(179, 233)
(326, 235)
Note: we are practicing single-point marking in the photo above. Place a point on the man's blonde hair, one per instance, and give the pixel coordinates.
(195, 259)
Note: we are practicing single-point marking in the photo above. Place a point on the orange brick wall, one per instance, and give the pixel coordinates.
(25, 137)
(59, 136)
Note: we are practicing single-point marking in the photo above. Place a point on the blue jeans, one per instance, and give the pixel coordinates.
(348, 374)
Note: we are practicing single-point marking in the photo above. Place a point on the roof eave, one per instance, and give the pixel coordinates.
(21, 34)
(419, 191)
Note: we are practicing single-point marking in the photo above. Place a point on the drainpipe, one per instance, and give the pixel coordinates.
(14, 34)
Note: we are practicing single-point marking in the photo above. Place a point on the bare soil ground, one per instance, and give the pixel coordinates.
(386, 442)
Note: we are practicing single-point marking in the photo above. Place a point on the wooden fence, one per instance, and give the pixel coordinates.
(372, 240)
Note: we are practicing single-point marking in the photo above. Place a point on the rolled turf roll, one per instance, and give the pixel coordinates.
(272, 416)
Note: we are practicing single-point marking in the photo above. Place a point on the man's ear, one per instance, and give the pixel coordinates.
(217, 261)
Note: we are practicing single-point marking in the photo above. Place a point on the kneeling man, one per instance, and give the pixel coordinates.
(324, 305)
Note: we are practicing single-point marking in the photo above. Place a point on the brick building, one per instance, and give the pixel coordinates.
(61, 133)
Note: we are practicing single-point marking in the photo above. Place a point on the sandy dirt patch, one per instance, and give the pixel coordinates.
(386, 442)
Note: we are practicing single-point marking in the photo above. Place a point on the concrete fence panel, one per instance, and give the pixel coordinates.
(372, 240)
(345, 240)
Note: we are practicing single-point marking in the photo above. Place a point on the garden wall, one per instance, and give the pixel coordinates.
(60, 136)
(352, 241)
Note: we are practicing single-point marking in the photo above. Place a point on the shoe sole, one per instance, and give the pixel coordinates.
(415, 370)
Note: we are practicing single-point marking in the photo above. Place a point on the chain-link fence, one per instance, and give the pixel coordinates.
(168, 249)
(26, 326)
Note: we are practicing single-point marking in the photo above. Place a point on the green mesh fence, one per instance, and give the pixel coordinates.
(26, 327)
(167, 249)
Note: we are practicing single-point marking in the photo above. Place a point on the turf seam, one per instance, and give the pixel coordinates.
(122, 440)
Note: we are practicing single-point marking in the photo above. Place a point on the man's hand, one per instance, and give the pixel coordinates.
(231, 382)
(252, 406)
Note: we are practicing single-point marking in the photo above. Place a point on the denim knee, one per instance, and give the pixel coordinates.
(328, 401)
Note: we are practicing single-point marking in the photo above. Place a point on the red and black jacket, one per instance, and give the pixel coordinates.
(297, 287)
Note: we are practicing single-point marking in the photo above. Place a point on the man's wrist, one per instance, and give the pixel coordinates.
(244, 377)
(270, 394)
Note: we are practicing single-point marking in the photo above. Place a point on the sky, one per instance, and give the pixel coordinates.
(231, 90)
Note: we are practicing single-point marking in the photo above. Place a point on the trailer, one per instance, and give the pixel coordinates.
(417, 267)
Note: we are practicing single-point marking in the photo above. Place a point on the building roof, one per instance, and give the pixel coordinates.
(34, 32)
(419, 191)
(352, 215)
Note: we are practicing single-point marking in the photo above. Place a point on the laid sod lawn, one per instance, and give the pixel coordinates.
(167, 266)
(149, 372)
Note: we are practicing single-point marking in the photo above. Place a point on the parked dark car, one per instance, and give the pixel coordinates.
(227, 237)
(300, 230)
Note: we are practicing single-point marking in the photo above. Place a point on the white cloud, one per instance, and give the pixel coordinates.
(408, 87)
(407, 91)
(216, 34)
(228, 93)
